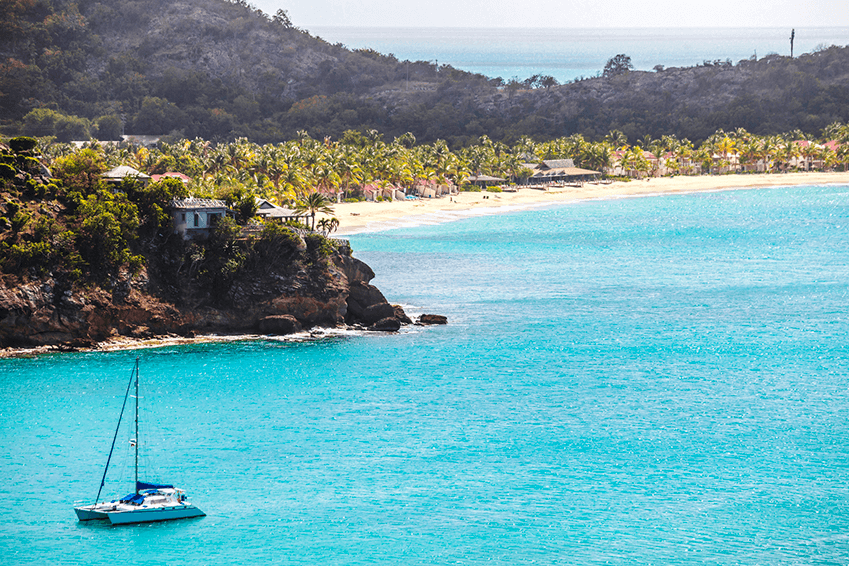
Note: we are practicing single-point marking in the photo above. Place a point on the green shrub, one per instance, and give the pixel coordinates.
(44, 229)
(23, 144)
(7, 171)
(80, 171)
(108, 223)
(276, 243)
(244, 202)
(318, 247)
(30, 165)
(135, 263)
(19, 220)
(12, 208)
(26, 255)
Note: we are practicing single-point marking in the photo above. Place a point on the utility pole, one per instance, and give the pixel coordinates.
(792, 37)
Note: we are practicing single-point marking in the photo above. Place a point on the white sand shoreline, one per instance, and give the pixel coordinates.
(364, 217)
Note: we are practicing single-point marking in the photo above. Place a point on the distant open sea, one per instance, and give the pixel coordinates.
(567, 54)
(658, 380)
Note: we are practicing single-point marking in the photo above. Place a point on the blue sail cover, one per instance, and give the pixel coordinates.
(132, 498)
(140, 485)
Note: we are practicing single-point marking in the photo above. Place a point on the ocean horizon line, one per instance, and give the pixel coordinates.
(545, 28)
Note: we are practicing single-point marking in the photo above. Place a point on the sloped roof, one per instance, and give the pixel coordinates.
(192, 203)
(123, 171)
(558, 163)
(268, 209)
(278, 212)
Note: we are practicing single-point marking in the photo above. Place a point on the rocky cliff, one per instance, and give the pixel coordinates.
(44, 311)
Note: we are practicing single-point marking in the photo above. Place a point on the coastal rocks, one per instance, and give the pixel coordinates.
(401, 315)
(50, 312)
(353, 269)
(361, 295)
(388, 324)
(432, 319)
(44, 313)
(377, 312)
(280, 324)
(368, 306)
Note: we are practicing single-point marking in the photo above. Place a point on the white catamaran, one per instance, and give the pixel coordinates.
(150, 502)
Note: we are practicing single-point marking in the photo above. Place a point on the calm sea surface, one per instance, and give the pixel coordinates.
(659, 380)
(567, 54)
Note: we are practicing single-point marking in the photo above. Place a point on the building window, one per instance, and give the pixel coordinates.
(197, 219)
(183, 217)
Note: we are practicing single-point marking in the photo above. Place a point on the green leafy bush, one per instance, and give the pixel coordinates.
(7, 171)
(276, 244)
(318, 247)
(27, 255)
(80, 171)
(108, 224)
(23, 144)
(19, 220)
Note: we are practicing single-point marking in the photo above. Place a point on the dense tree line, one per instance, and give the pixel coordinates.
(288, 172)
(59, 216)
(76, 228)
(224, 70)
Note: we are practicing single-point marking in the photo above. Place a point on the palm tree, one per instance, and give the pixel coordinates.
(616, 138)
(328, 225)
(312, 203)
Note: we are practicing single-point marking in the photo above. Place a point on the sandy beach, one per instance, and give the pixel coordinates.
(374, 216)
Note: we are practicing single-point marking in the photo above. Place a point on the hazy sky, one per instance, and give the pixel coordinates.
(563, 13)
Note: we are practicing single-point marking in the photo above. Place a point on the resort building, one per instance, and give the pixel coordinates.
(560, 171)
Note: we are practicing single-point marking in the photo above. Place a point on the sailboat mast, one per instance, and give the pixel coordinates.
(117, 428)
(137, 426)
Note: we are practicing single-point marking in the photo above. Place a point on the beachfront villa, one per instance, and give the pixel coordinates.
(560, 171)
(195, 217)
(432, 189)
(420, 189)
(485, 180)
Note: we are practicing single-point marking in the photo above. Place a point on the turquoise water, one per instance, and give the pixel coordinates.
(567, 54)
(657, 380)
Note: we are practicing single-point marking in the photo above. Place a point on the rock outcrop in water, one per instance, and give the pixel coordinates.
(46, 312)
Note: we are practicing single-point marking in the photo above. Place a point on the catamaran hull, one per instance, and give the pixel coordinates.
(152, 515)
(88, 514)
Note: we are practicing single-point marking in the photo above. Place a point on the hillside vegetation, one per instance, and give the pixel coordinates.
(222, 70)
